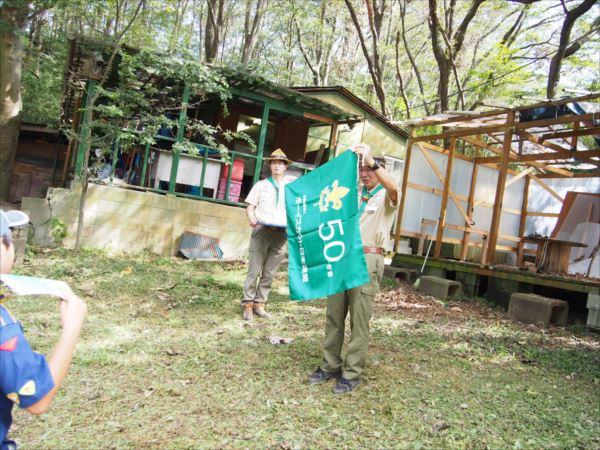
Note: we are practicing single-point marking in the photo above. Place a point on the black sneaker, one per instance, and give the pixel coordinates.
(320, 376)
(344, 386)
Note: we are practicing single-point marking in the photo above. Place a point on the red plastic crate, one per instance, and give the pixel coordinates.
(235, 188)
(238, 170)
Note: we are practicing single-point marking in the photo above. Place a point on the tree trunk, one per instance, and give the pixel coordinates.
(251, 28)
(373, 62)
(13, 16)
(446, 47)
(565, 35)
(213, 29)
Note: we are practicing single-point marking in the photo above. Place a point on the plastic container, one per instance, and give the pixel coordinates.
(235, 188)
(238, 171)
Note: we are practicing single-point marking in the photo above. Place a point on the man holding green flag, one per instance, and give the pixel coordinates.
(377, 209)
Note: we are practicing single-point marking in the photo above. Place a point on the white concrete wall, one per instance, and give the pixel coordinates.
(125, 220)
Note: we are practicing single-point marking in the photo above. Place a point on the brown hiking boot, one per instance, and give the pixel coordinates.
(259, 311)
(247, 313)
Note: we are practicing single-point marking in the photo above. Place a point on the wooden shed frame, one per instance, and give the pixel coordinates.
(538, 149)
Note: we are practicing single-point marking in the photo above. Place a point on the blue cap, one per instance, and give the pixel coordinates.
(12, 219)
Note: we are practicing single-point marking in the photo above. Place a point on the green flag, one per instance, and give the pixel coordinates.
(324, 244)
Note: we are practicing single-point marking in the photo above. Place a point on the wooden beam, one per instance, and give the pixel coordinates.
(409, 145)
(523, 222)
(496, 215)
(594, 174)
(507, 184)
(333, 140)
(444, 205)
(551, 191)
(545, 156)
(557, 120)
(459, 133)
(562, 172)
(462, 198)
(464, 250)
(318, 118)
(444, 151)
(438, 174)
(481, 232)
(552, 146)
(542, 214)
(471, 116)
(570, 133)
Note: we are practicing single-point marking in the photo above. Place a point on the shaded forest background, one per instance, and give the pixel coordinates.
(408, 58)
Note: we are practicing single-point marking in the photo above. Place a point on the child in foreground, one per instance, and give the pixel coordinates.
(29, 379)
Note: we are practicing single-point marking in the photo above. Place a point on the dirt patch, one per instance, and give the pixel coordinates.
(453, 314)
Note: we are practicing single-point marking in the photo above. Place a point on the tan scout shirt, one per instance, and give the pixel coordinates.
(376, 220)
(263, 196)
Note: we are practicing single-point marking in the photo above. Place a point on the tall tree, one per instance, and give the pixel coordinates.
(213, 31)
(316, 39)
(375, 13)
(14, 16)
(565, 47)
(447, 44)
(252, 26)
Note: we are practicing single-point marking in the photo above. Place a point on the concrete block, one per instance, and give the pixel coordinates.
(593, 305)
(439, 287)
(470, 283)
(532, 308)
(133, 241)
(168, 202)
(434, 272)
(399, 273)
(140, 198)
(38, 210)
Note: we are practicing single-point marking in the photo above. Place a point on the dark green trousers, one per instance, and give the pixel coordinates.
(359, 302)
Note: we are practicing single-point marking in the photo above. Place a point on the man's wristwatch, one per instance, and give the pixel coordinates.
(375, 165)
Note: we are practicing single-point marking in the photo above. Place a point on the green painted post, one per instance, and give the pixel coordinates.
(203, 171)
(84, 129)
(145, 165)
(229, 173)
(180, 133)
(261, 142)
(115, 155)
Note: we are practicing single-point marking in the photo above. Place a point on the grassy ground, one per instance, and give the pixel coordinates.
(165, 360)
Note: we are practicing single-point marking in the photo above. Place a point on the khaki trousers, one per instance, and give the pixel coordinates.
(359, 301)
(267, 250)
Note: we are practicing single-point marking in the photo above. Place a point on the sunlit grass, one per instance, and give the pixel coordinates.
(166, 361)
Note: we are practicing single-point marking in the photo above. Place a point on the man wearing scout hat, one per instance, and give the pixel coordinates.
(266, 216)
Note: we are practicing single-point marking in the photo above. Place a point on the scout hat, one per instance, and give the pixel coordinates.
(278, 155)
(11, 219)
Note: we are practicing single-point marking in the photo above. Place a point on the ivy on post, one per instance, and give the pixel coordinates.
(84, 130)
(180, 134)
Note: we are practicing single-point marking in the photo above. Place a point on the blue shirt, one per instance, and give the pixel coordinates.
(25, 377)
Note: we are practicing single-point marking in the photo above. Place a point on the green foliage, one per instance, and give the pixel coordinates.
(58, 230)
(148, 87)
(42, 83)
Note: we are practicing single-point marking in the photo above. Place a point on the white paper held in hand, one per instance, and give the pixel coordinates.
(23, 285)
